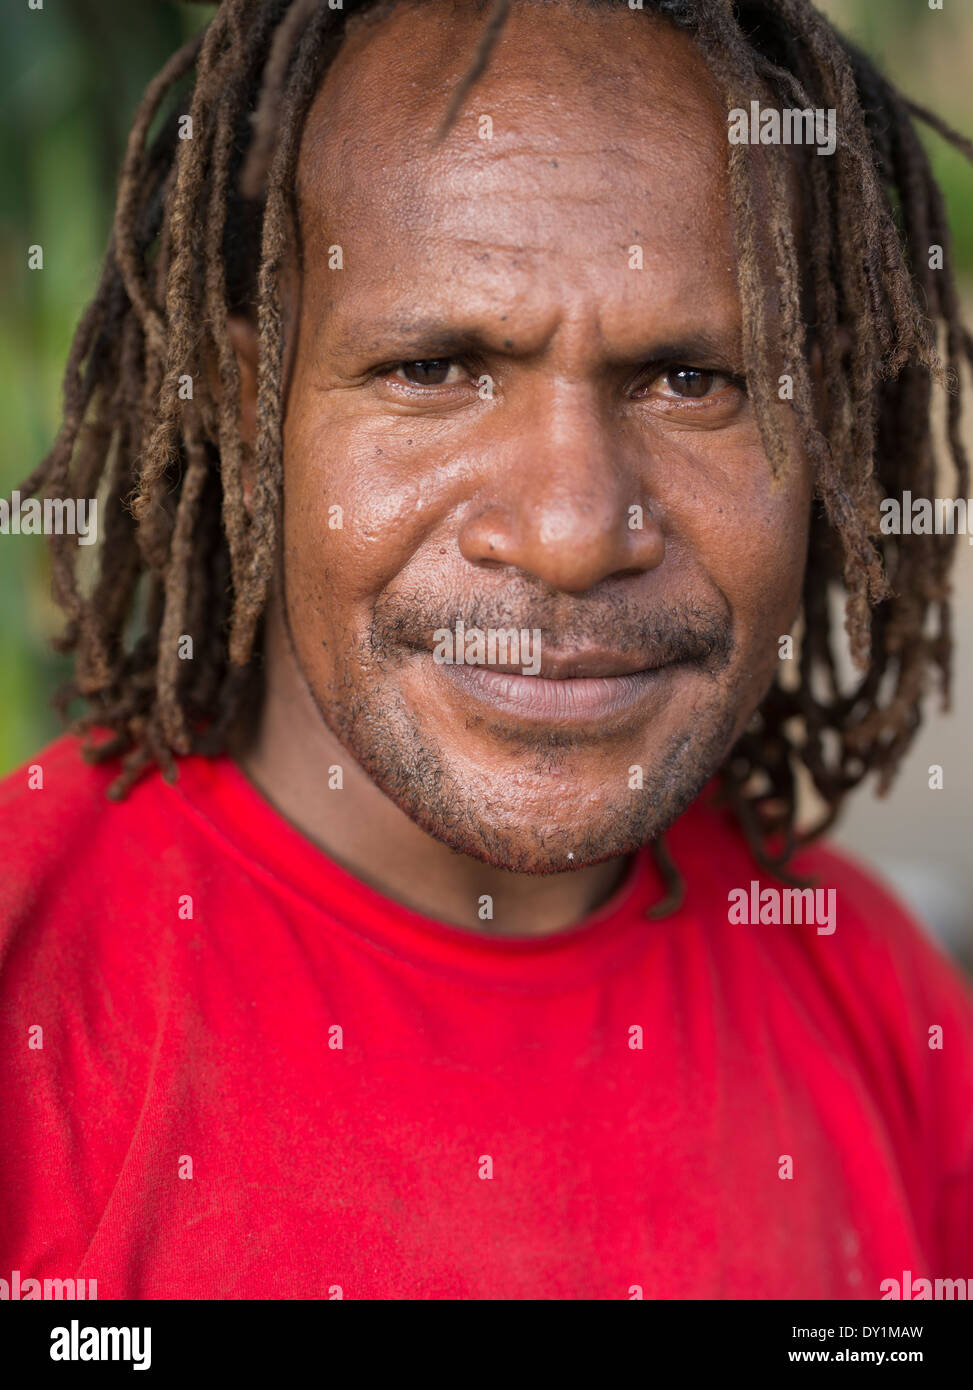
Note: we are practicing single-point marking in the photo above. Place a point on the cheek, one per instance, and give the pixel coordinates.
(354, 514)
(758, 561)
(748, 532)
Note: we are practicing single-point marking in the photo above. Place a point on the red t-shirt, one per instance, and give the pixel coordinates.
(307, 1090)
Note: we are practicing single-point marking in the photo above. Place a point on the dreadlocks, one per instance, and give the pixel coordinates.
(201, 231)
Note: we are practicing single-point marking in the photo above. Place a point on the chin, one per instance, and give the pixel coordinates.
(528, 848)
(509, 814)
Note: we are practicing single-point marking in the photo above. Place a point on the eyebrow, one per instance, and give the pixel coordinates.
(713, 349)
(430, 338)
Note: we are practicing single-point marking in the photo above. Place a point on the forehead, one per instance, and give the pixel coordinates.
(594, 127)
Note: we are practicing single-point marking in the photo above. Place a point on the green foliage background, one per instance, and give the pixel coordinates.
(71, 75)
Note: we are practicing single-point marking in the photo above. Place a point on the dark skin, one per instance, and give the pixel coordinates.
(612, 388)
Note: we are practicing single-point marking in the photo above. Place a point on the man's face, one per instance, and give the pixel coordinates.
(519, 389)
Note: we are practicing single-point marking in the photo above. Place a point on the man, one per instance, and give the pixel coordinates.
(476, 419)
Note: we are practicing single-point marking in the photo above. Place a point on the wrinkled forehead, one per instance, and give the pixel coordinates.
(601, 104)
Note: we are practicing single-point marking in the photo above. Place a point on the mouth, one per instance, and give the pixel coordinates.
(565, 691)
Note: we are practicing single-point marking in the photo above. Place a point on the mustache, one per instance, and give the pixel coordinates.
(686, 631)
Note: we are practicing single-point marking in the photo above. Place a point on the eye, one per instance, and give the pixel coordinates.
(429, 371)
(692, 382)
(694, 395)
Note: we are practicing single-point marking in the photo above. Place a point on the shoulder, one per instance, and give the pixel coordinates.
(83, 873)
(56, 819)
(890, 958)
(868, 934)
(50, 811)
(83, 965)
(54, 790)
(88, 915)
(871, 979)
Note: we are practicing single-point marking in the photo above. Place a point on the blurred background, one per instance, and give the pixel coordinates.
(71, 75)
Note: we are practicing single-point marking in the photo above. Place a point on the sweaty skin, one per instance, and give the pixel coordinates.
(487, 387)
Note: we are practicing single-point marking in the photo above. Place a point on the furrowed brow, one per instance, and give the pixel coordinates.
(714, 350)
(403, 338)
(410, 338)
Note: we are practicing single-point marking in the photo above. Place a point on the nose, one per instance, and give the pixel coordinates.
(569, 508)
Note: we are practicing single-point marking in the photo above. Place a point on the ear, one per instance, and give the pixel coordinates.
(243, 339)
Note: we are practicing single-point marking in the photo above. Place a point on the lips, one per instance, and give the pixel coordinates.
(564, 698)
(592, 663)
